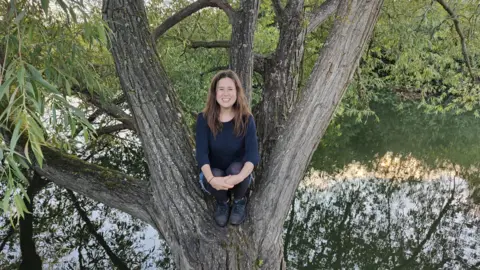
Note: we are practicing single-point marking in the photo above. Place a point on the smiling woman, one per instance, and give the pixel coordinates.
(227, 147)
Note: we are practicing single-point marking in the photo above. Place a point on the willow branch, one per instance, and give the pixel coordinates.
(456, 22)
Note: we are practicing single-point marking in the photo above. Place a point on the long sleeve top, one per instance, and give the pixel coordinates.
(224, 149)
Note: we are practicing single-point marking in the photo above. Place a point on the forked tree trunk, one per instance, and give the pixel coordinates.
(172, 202)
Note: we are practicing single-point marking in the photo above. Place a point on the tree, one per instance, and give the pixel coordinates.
(172, 202)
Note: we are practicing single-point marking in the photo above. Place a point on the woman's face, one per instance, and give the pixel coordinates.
(226, 94)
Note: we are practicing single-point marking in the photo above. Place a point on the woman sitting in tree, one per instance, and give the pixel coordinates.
(226, 147)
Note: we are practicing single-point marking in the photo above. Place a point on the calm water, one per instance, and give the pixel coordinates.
(399, 193)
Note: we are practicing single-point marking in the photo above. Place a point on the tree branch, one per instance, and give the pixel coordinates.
(297, 142)
(225, 6)
(456, 22)
(210, 44)
(109, 187)
(119, 100)
(277, 7)
(110, 129)
(189, 10)
(321, 14)
(111, 109)
(93, 230)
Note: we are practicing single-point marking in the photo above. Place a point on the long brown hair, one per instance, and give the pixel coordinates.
(240, 107)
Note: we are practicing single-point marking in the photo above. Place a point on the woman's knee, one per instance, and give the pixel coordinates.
(235, 168)
(217, 172)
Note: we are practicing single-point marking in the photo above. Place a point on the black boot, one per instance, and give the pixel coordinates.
(221, 213)
(239, 212)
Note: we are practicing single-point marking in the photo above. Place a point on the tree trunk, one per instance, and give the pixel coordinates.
(241, 48)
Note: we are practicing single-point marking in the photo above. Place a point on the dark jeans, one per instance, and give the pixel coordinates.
(239, 190)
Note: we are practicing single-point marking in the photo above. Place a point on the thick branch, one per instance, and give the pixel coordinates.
(189, 10)
(210, 44)
(113, 110)
(179, 213)
(323, 91)
(241, 49)
(111, 129)
(93, 230)
(110, 187)
(119, 100)
(456, 22)
(322, 13)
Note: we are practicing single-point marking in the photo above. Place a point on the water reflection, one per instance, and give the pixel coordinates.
(383, 224)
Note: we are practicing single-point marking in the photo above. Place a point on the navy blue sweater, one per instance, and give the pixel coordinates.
(226, 147)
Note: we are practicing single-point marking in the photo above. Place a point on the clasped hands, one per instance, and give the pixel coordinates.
(225, 182)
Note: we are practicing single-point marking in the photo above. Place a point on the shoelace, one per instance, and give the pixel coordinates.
(223, 209)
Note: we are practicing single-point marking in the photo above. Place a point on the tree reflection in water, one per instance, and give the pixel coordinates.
(383, 224)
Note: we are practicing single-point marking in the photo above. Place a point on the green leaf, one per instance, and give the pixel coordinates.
(68, 87)
(15, 135)
(85, 134)
(6, 199)
(45, 6)
(5, 87)
(26, 152)
(101, 33)
(20, 205)
(16, 170)
(37, 151)
(21, 76)
(37, 76)
(34, 72)
(24, 192)
(30, 89)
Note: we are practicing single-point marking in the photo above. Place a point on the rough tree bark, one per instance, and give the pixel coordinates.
(281, 77)
(172, 202)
